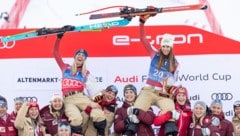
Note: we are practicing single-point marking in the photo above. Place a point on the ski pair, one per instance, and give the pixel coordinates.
(130, 12)
(67, 28)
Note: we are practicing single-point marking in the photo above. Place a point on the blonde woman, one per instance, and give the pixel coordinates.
(203, 123)
(74, 79)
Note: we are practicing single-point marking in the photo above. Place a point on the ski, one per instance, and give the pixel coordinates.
(128, 12)
(67, 28)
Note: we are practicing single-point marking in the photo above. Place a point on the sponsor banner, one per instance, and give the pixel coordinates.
(119, 42)
(206, 77)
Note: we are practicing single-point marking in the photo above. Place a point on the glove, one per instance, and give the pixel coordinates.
(110, 108)
(143, 18)
(175, 114)
(135, 111)
(130, 110)
(205, 131)
(133, 118)
(60, 35)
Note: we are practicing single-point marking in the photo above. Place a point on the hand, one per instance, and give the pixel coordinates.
(175, 114)
(130, 110)
(60, 35)
(133, 118)
(144, 18)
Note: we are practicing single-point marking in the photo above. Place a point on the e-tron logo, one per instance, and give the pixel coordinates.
(125, 40)
(222, 96)
(6, 45)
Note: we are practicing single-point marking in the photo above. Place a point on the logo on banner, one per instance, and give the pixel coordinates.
(124, 40)
(30, 99)
(222, 96)
(6, 45)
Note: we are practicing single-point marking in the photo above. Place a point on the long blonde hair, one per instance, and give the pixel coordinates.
(74, 68)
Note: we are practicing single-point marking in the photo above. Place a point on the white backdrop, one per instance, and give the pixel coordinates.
(206, 76)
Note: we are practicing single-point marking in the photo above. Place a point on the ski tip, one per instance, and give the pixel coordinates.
(204, 7)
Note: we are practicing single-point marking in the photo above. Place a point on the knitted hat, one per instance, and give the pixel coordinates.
(236, 104)
(18, 100)
(65, 125)
(182, 90)
(112, 88)
(217, 101)
(201, 104)
(84, 52)
(56, 96)
(130, 87)
(33, 104)
(3, 101)
(167, 39)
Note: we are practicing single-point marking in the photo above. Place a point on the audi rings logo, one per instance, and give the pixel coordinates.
(6, 45)
(222, 96)
(30, 98)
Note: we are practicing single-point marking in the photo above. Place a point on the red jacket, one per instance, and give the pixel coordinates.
(226, 127)
(196, 128)
(7, 128)
(50, 119)
(145, 118)
(182, 123)
(185, 118)
(159, 120)
(13, 118)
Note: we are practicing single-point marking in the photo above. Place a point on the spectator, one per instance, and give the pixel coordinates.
(225, 126)
(53, 114)
(236, 118)
(6, 125)
(127, 119)
(182, 113)
(18, 101)
(202, 123)
(107, 100)
(28, 121)
(64, 129)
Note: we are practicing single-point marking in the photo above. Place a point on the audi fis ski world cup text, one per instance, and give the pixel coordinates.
(205, 77)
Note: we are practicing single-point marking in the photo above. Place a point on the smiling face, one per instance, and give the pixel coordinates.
(63, 131)
(198, 111)
(216, 109)
(129, 96)
(109, 96)
(237, 111)
(165, 49)
(181, 98)
(57, 104)
(3, 111)
(79, 59)
(33, 112)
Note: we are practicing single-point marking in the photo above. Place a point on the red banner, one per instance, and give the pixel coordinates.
(119, 42)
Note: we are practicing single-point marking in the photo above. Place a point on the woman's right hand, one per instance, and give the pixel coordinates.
(144, 18)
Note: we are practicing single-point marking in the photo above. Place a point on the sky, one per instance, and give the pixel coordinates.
(57, 13)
